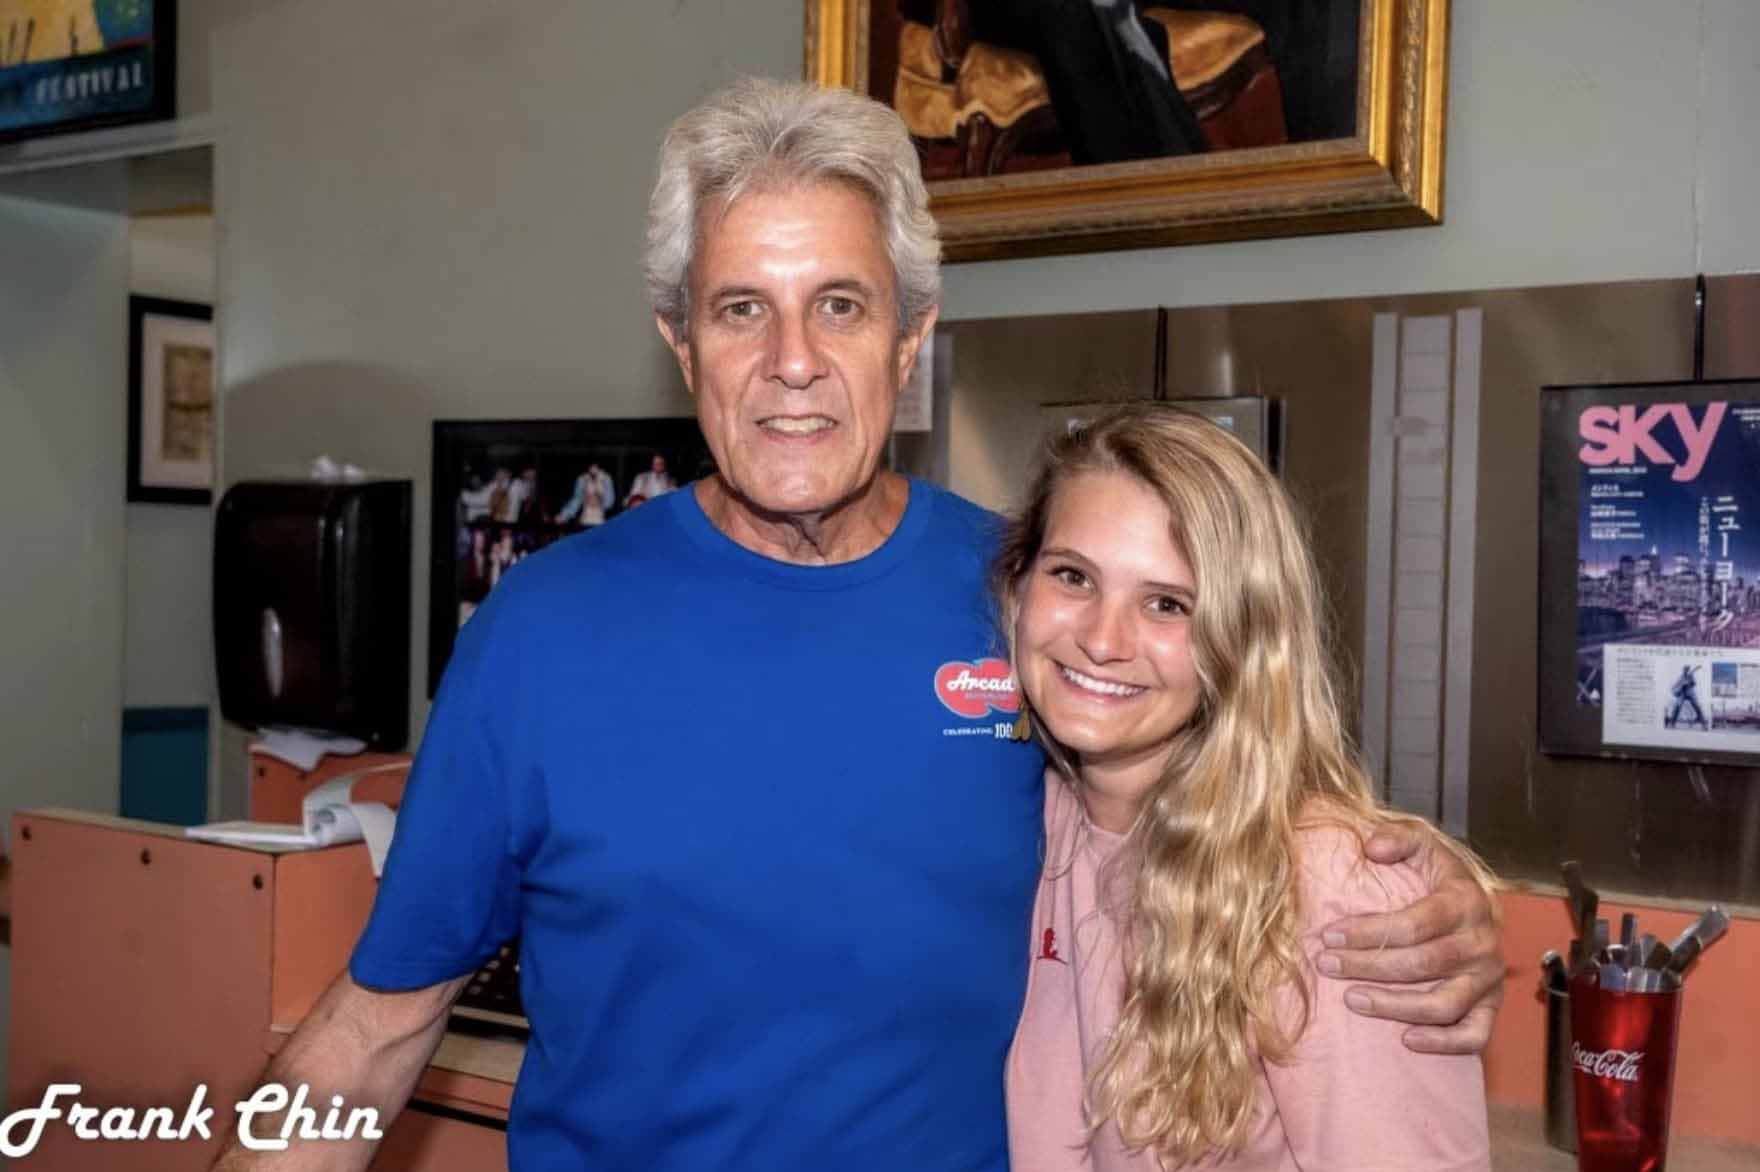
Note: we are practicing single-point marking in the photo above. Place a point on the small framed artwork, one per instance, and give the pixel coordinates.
(170, 401)
(1650, 571)
(1076, 127)
(505, 489)
(83, 64)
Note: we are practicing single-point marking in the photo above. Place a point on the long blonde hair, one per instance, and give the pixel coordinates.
(1212, 928)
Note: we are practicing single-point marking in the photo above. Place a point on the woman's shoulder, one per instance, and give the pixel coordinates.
(1336, 878)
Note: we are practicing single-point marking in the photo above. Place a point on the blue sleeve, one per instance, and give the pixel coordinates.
(449, 896)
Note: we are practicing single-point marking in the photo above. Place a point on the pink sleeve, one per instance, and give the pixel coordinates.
(1350, 1095)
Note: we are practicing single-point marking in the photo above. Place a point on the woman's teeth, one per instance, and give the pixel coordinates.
(1102, 687)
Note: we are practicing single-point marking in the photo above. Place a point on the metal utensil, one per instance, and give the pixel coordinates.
(1701, 934)
(1584, 902)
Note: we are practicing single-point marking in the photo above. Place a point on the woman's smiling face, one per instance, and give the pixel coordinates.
(1102, 637)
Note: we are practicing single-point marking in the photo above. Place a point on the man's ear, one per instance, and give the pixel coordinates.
(680, 346)
(910, 346)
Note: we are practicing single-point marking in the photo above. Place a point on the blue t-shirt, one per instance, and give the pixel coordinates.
(760, 828)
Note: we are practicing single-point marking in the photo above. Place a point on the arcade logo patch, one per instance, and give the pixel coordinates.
(974, 690)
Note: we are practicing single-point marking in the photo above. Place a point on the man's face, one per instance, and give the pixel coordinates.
(658, 465)
(792, 348)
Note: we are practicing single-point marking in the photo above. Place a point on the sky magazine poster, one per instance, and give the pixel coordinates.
(1659, 487)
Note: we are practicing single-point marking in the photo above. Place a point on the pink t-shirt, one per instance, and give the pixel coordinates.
(1349, 1095)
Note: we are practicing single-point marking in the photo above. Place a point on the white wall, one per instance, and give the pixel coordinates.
(63, 452)
(1588, 140)
(168, 648)
(449, 224)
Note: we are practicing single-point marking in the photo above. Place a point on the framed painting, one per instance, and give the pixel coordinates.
(170, 401)
(1649, 581)
(1099, 124)
(82, 64)
(505, 489)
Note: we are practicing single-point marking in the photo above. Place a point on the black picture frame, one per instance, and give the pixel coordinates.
(133, 80)
(1649, 562)
(469, 454)
(146, 482)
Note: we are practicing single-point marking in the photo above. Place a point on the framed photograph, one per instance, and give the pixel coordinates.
(1650, 571)
(170, 401)
(1077, 127)
(504, 490)
(82, 64)
(1256, 420)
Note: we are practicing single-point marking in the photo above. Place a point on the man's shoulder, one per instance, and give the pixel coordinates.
(962, 521)
(956, 508)
(605, 558)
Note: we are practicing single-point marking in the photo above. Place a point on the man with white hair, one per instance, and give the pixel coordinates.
(772, 893)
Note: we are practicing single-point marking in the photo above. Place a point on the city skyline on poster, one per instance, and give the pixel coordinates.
(1668, 493)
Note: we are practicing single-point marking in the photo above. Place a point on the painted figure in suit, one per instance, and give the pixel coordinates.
(1106, 69)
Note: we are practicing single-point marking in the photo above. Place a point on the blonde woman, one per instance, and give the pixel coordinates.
(1204, 818)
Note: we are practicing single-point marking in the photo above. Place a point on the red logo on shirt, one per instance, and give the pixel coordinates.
(973, 690)
(1048, 949)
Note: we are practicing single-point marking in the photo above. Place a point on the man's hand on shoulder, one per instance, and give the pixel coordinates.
(1450, 937)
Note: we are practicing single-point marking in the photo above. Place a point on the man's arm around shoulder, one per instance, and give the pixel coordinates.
(370, 1048)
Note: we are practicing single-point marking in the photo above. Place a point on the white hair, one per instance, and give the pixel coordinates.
(759, 133)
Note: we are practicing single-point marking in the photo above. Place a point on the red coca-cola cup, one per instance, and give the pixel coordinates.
(1622, 1048)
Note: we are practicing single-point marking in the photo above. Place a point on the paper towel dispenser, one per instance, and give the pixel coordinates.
(312, 607)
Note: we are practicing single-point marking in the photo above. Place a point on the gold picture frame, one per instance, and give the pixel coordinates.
(1388, 175)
